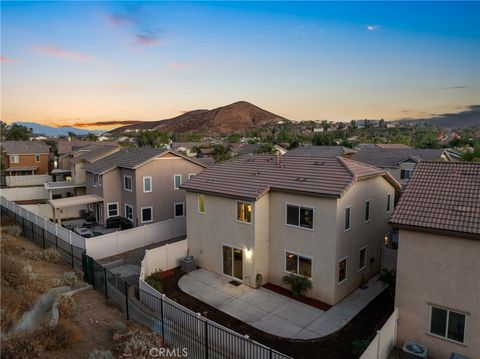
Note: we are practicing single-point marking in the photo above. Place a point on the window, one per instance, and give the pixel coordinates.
(405, 174)
(201, 203)
(298, 264)
(342, 271)
(14, 159)
(127, 183)
(362, 260)
(147, 184)
(129, 212)
(112, 209)
(191, 175)
(177, 181)
(37, 158)
(389, 202)
(348, 211)
(244, 212)
(367, 211)
(447, 324)
(147, 214)
(300, 216)
(179, 209)
(97, 180)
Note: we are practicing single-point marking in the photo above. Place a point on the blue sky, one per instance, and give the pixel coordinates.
(87, 62)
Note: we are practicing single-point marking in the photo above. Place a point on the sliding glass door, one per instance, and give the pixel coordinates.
(233, 262)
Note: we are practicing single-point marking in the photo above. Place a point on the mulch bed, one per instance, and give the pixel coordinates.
(309, 301)
(335, 346)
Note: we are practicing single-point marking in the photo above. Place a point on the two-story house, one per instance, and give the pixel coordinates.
(141, 185)
(438, 268)
(25, 158)
(400, 162)
(324, 218)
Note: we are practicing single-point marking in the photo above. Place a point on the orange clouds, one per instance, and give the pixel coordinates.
(62, 53)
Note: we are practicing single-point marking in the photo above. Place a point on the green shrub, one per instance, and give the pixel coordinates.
(70, 279)
(299, 285)
(155, 281)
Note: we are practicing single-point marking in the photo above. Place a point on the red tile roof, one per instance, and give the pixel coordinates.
(441, 196)
(254, 175)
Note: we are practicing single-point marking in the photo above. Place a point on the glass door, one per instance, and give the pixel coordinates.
(233, 262)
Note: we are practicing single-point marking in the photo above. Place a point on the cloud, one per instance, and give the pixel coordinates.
(469, 117)
(455, 88)
(62, 53)
(147, 39)
(9, 60)
(372, 27)
(104, 123)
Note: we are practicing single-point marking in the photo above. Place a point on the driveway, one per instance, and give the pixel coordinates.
(274, 313)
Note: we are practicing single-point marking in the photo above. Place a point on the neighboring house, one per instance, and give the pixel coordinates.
(243, 149)
(322, 151)
(67, 148)
(400, 162)
(382, 145)
(205, 153)
(438, 268)
(324, 218)
(185, 147)
(25, 158)
(142, 184)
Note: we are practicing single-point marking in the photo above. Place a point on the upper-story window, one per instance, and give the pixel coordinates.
(348, 218)
(300, 216)
(37, 158)
(447, 324)
(97, 180)
(14, 159)
(191, 175)
(244, 212)
(389, 202)
(147, 184)
(405, 174)
(127, 183)
(179, 209)
(112, 209)
(367, 211)
(201, 203)
(177, 181)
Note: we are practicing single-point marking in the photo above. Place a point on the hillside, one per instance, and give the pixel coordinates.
(38, 129)
(238, 116)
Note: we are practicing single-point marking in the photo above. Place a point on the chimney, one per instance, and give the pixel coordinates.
(279, 160)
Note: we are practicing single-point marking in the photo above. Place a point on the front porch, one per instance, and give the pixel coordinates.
(274, 313)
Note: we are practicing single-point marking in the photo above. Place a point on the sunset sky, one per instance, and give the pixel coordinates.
(92, 64)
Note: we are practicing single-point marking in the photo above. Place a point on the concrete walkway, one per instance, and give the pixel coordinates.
(272, 312)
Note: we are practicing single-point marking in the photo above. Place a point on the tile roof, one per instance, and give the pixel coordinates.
(24, 147)
(327, 151)
(65, 146)
(95, 153)
(442, 196)
(390, 157)
(254, 175)
(21, 168)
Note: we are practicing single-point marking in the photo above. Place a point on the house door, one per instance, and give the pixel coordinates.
(233, 262)
(99, 212)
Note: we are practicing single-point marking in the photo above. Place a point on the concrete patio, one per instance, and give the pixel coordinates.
(272, 312)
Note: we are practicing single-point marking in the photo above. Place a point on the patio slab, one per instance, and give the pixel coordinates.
(272, 312)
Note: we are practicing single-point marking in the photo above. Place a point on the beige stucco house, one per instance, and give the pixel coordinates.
(322, 218)
(438, 268)
(141, 185)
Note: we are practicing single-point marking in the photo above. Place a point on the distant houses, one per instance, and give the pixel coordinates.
(21, 158)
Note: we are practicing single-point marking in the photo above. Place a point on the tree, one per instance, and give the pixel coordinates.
(53, 146)
(382, 123)
(266, 148)
(323, 139)
(221, 153)
(341, 125)
(234, 138)
(91, 137)
(325, 125)
(353, 124)
(152, 138)
(194, 137)
(474, 155)
(18, 133)
(426, 137)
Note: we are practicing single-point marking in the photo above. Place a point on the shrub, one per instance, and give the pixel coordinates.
(51, 255)
(70, 279)
(22, 346)
(67, 307)
(155, 281)
(13, 230)
(8, 245)
(14, 273)
(62, 336)
(299, 285)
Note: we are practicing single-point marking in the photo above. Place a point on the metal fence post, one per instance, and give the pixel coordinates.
(106, 286)
(126, 299)
(206, 339)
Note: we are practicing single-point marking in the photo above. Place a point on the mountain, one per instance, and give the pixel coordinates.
(470, 117)
(238, 116)
(56, 131)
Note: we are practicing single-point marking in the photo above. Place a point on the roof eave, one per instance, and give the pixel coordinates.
(435, 231)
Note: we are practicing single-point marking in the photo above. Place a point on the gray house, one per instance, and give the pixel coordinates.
(141, 185)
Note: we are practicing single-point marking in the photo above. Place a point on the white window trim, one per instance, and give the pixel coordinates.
(300, 206)
(446, 329)
(198, 203)
(108, 210)
(224, 244)
(346, 270)
(151, 184)
(131, 183)
(95, 180)
(14, 156)
(37, 155)
(190, 175)
(175, 182)
(366, 257)
(175, 207)
(369, 211)
(298, 260)
(253, 212)
(141, 214)
(349, 220)
(125, 211)
(389, 202)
